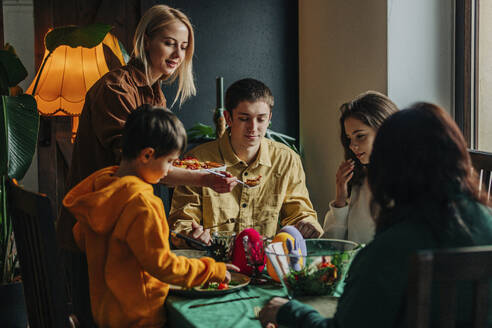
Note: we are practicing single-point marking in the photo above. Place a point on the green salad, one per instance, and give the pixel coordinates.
(219, 285)
(318, 278)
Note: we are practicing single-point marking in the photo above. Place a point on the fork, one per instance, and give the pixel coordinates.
(231, 220)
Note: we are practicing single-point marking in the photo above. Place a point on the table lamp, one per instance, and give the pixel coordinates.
(67, 74)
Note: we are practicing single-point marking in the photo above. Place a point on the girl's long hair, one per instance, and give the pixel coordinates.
(371, 108)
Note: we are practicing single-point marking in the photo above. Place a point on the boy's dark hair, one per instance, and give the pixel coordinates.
(250, 90)
(154, 127)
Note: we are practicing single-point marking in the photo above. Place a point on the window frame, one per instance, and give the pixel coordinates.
(466, 69)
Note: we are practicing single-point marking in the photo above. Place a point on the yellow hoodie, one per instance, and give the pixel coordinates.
(122, 228)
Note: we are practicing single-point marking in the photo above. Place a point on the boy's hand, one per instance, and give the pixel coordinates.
(218, 183)
(199, 234)
(229, 267)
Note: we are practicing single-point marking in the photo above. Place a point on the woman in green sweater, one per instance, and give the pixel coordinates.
(421, 178)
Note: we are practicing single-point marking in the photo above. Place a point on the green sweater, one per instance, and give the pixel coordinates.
(375, 290)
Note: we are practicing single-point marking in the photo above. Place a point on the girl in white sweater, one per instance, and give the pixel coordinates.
(350, 216)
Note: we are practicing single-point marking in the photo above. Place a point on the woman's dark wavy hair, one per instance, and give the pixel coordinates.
(419, 168)
(154, 127)
(371, 108)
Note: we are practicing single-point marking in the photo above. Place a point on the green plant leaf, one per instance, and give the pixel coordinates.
(200, 131)
(282, 138)
(19, 124)
(12, 71)
(74, 36)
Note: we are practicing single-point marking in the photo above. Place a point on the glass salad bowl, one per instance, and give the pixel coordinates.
(316, 270)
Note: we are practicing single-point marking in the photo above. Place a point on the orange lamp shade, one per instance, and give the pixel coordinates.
(67, 76)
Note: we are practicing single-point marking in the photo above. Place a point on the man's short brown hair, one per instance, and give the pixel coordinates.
(250, 90)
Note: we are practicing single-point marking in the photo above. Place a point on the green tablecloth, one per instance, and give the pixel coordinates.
(234, 314)
(238, 314)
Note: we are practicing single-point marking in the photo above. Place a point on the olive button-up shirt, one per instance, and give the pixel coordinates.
(280, 199)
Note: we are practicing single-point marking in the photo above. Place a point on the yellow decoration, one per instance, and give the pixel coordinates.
(281, 237)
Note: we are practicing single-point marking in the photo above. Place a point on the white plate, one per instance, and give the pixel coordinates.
(240, 280)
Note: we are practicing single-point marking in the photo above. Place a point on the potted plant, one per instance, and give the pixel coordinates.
(19, 122)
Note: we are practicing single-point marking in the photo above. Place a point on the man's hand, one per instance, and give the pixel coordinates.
(199, 234)
(268, 315)
(218, 183)
(307, 229)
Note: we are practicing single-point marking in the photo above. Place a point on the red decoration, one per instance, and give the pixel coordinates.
(255, 252)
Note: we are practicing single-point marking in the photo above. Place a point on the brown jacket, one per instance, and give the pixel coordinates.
(98, 143)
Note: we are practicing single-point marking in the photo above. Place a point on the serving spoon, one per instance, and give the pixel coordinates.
(224, 176)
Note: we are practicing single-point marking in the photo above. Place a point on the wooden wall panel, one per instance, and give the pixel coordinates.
(1, 24)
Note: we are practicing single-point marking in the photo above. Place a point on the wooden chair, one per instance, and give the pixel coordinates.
(42, 275)
(447, 267)
(482, 162)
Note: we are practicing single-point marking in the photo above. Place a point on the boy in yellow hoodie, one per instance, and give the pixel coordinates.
(122, 227)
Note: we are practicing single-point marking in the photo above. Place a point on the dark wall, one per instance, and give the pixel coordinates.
(237, 39)
(1, 24)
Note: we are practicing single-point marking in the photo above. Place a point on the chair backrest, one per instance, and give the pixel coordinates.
(447, 268)
(482, 162)
(39, 257)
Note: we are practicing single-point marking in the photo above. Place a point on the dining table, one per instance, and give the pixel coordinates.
(227, 311)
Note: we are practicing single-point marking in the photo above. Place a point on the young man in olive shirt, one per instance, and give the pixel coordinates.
(281, 198)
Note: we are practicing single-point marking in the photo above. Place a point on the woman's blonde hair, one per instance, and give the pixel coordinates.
(153, 21)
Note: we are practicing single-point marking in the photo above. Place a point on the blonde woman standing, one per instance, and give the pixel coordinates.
(163, 51)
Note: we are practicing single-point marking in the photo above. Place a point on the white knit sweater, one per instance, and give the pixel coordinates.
(354, 221)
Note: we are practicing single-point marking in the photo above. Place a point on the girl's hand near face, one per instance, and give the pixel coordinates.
(345, 172)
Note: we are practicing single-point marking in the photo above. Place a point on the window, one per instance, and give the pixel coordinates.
(484, 76)
(473, 71)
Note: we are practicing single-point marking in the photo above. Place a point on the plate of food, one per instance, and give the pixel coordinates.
(192, 163)
(238, 281)
(190, 253)
(253, 182)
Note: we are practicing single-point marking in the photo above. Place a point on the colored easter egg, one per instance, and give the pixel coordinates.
(256, 253)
